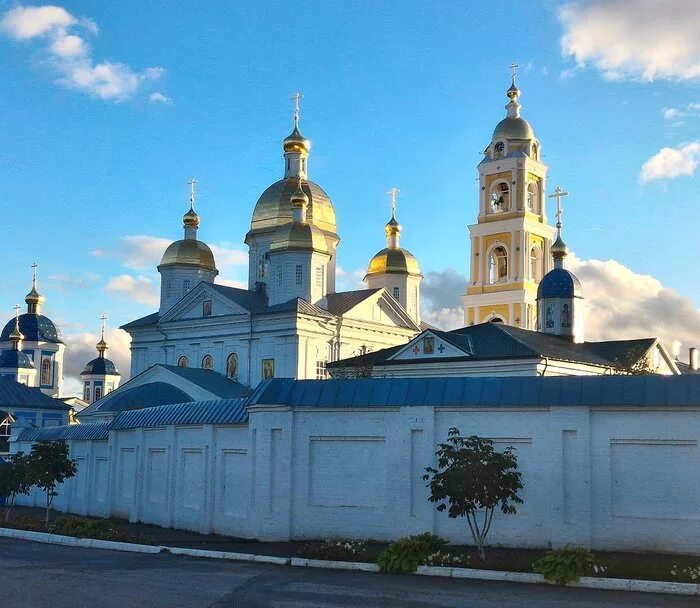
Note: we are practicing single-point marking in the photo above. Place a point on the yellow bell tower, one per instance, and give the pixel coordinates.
(511, 241)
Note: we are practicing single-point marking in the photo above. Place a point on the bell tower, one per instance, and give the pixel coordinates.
(511, 241)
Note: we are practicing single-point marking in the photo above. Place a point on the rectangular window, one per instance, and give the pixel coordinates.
(299, 274)
(98, 392)
(396, 293)
(5, 430)
(87, 393)
(169, 289)
(279, 276)
(429, 346)
(319, 277)
(206, 308)
(185, 286)
(268, 369)
(321, 373)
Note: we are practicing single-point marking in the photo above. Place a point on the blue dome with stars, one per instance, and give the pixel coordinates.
(101, 367)
(559, 283)
(34, 328)
(15, 359)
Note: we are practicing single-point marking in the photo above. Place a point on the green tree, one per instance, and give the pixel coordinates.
(50, 465)
(15, 479)
(635, 362)
(472, 480)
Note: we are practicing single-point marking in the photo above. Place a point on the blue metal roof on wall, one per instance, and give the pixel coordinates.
(218, 411)
(92, 431)
(15, 395)
(512, 391)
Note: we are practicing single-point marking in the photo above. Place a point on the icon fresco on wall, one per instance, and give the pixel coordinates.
(268, 369)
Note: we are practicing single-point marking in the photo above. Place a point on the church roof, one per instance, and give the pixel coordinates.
(94, 431)
(498, 391)
(341, 302)
(559, 283)
(497, 341)
(137, 397)
(15, 359)
(209, 380)
(34, 328)
(15, 395)
(252, 301)
(298, 305)
(216, 411)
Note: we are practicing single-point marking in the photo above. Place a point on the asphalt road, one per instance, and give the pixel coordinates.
(36, 575)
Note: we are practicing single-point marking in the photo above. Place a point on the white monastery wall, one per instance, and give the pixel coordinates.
(608, 478)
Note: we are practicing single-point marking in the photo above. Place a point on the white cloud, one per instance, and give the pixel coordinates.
(441, 299)
(226, 257)
(622, 304)
(231, 283)
(158, 97)
(140, 252)
(641, 39)
(690, 110)
(670, 163)
(139, 289)
(69, 54)
(80, 348)
(349, 280)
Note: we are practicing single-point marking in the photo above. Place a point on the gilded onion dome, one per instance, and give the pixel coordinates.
(296, 142)
(513, 126)
(396, 261)
(393, 259)
(191, 219)
(559, 248)
(297, 236)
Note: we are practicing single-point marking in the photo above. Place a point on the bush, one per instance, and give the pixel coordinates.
(336, 550)
(565, 565)
(403, 556)
(81, 527)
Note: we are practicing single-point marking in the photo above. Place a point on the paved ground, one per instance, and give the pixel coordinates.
(36, 575)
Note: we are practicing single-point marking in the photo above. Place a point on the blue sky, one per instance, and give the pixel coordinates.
(395, 93)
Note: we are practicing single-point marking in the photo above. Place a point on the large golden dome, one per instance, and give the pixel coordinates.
(394, 261)
(513, 127)
(299, 236)
(274, 207)
(188, 252)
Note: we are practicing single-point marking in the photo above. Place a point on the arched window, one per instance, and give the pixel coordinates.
(500, 197)
(498, 265)
(232, 367)
(207, 362)
(536, 264)
(262, 266)
(496, 320)
(535, 151)
(533, 198)
(183, 362)
(46, 372)
(498, 149)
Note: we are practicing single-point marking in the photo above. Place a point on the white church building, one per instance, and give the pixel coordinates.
(290, 322)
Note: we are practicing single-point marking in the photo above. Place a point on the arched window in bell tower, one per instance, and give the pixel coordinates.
(535, 151)
(536, 264)
(498, 149)
(500, 197)
(498, 265)
(533, 197)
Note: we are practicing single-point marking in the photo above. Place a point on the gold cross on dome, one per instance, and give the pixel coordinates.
(393, 192)
(192, 184)
(16, 307)
(558, 194)
(103, 318)
(297, 97)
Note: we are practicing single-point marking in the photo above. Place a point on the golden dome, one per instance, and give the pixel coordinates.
(299, 199)
(513, 127)
(394, 261)
(191, 219)
(33, 297)
(296, 142)
(188, 252)
(299, 236)
(274, 207)
(16, 335)
(559, 249)
(392, 228)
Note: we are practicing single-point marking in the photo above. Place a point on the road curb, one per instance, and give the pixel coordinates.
(608, 584)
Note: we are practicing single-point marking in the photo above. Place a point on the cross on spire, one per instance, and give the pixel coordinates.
(393, 192)
(513, 71)
(558, 194)
(16, 307)
(34, 267)
(192, 184)
(297, 97)
(103, 318)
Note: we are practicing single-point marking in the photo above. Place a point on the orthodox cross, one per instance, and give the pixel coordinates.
(191, 184)
(34, 266)
(558, 194)
(103, 318)
(513, 70)
(297, 98)
(16, 307)
(393, 192)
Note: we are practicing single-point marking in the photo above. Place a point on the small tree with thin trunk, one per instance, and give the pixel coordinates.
(472, 480)
(49, 466)
(15, 479)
